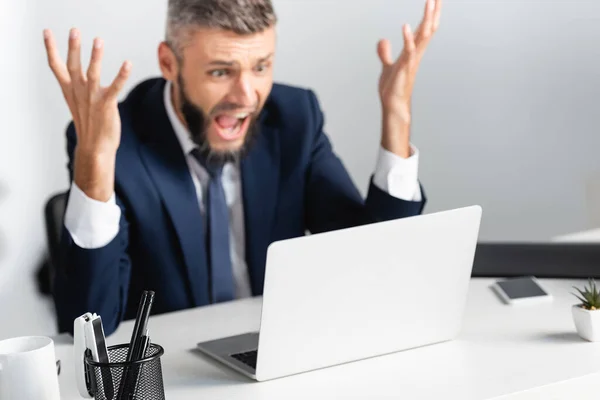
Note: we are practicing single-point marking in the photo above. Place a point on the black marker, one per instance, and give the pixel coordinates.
(137, 346)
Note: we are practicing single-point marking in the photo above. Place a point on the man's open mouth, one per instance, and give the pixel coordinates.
(232, 126)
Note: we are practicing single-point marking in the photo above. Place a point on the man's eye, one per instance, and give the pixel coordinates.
(218, 73)
(262, 68)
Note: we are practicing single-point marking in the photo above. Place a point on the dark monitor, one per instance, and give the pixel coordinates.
(543, 260)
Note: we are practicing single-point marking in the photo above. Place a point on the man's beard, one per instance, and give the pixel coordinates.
(198, 122)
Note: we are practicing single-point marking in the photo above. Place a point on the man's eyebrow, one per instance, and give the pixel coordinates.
(265, 58)
(224, 63)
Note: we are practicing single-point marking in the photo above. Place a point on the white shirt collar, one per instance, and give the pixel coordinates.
(182, 133)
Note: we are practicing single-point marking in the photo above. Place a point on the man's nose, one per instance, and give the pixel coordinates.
(243, 92)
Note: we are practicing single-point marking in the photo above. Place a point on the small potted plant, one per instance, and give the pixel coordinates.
(587, 314)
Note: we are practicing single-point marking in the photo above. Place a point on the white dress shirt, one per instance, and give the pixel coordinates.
(93, 224)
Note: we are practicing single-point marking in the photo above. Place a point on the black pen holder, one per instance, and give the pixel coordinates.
(120, 379)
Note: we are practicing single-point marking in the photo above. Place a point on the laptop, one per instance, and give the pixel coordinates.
(356, 293)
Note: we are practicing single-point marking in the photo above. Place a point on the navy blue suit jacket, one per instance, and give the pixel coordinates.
(291, 182)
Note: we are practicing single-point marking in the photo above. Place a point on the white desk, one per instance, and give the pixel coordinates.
(591, 236)
(501, 351)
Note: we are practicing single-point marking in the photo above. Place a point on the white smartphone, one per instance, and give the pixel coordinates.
(525, 290)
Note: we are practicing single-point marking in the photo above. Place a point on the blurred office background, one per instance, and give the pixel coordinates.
(505, 110)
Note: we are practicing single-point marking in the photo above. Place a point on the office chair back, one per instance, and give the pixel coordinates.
(54, 213)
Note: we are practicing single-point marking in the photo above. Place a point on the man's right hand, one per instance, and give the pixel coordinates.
(95, 114)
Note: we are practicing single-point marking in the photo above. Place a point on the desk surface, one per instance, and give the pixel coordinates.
(501, 350)
(591, 236)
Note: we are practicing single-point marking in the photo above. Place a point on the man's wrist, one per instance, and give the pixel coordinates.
(395, 136)
(94, 174)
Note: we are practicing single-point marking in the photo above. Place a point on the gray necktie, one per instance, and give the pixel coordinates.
(217, 212)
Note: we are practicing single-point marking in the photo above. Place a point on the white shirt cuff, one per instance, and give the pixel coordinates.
(398, 176)
(91, 223)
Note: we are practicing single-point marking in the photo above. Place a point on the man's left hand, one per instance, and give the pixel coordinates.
(398, 78)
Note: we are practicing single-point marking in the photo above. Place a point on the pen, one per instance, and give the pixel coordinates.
(102, 352)
(136, 369)
(137, 346)
(145, 344)
(141, 323)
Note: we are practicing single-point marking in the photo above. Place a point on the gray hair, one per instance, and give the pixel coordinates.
(243, 17)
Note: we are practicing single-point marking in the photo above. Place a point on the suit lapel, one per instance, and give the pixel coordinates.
(163, 157)
(260, 183)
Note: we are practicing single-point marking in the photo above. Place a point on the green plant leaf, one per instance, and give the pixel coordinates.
(582, 300)
(589, 295)
(583, 294)
(594, 297)
(595, 300)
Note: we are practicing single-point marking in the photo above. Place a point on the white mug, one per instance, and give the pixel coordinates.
(28, 369)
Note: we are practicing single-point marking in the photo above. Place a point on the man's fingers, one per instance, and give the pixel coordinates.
(424, 31)
(437, 14)
(62, 74)
(409, 41)
(57, 66)
(384, 49)
(115, 88)
(93, 73)
(74, 57)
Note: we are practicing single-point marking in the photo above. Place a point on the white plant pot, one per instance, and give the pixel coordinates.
(587, 323)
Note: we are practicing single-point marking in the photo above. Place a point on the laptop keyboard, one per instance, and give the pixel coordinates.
(248, 358)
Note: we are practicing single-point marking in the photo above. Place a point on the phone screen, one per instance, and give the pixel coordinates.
(521, 288)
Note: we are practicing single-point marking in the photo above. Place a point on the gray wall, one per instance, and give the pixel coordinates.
(23, 182)
(504, 107)
(27, 175)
